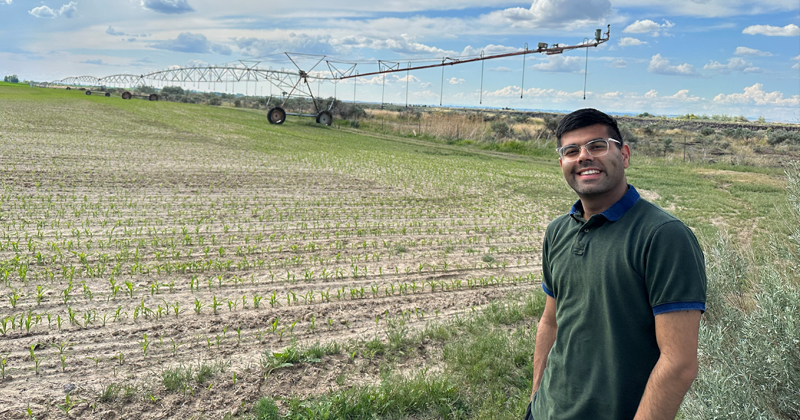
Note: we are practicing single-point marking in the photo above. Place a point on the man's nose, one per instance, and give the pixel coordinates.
(584, 155)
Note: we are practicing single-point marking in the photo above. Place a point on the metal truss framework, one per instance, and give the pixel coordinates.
(296, 82)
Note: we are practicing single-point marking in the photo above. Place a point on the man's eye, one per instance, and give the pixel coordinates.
(571, 151)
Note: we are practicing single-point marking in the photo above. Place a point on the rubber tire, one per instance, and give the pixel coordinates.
(107, 94)
(276, 115)
(153, 97)
(126, 95)
(325, 117)
(69, 88)
(88, 92)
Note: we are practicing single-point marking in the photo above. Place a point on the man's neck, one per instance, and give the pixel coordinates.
(597, 204)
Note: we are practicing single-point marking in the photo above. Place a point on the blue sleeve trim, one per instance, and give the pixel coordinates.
(678, 306)
(548, 292)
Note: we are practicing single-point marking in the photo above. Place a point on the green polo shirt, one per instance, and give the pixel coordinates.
(610, 277)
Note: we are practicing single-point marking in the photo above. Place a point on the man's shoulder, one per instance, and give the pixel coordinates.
(652, 214)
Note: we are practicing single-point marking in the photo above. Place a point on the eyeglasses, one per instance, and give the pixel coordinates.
(595, 148)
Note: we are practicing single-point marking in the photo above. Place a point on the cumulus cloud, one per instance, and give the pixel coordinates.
(490, 49)
(769, 30)
(751, 51)
(408, 78)
(648, 26)
(501, 69)
(734, 64)
(192, 43)
(68, 10)
(455, 81)
(5, 2)
(756, 95)
(551, 13)
(630, 42)
(562, 64)
(196, 63)
(404, 44)
(167, 6)
(660, 65)
(256, 47)
(618, 64)
(796, 65)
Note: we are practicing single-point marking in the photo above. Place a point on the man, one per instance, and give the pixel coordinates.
(625, 284)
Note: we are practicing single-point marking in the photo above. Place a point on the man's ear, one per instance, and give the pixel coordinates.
(626, 155)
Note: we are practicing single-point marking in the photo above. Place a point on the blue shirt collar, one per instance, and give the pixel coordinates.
(617, 210)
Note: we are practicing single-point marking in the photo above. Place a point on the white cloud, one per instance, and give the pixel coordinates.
(311, 44)
(167, 6)
(405, 44)
(490, 49)
(501, 69)
(648, 26)
(652, 93)
(68, 10)
(751, 51)
(769, 30)
(562, 64)
(43, 12)
(755, 95)
(409, 78)
(188, 42)
(630, 42)
(796, 65)
(660, 65)
(551, 13)
(734, 64)
(684, 96)
(6, 2)
(456, 81)
(618, 64)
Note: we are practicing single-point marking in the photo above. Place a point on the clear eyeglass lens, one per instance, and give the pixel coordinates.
(595, 148)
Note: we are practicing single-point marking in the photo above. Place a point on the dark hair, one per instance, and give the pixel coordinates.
(584, 118)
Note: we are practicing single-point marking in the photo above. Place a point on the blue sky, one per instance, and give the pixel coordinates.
(734, 57)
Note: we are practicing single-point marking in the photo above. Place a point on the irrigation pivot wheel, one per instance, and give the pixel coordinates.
(325, 117)
(88, 92)
(276, 115)
(126, 95)
(107, 94)
(153, 97)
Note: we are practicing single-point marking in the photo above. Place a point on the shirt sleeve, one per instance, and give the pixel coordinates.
(675, 269)
(547, 275)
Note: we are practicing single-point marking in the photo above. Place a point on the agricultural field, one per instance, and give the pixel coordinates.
(139, 237)
(172, 260)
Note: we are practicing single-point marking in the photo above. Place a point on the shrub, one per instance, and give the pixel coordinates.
(628, 136)
(707, 131)
(749, 358)
(500, 129)
(783, 136)
(172, 90)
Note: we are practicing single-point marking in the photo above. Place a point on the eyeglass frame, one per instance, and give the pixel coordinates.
(559, 150)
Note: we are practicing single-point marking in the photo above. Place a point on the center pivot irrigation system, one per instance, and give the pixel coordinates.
(296, 82)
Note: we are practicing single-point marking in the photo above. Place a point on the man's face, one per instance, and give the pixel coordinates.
(592, 176)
